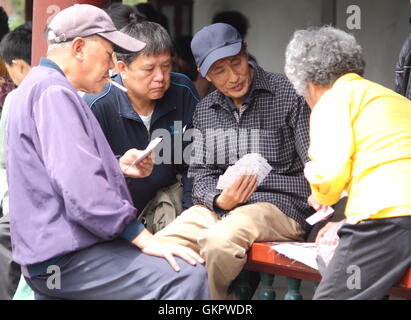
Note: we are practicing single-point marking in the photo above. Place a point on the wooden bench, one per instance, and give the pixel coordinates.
(263, 259)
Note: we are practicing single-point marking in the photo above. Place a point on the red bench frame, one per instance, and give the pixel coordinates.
(262, 258)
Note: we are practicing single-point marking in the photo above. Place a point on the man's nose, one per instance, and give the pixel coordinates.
(233, 76)
(158, 75)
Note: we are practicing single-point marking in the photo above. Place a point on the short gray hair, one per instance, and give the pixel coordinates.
(55, 47)
(52, 47)
(153, 34)
(321, 56)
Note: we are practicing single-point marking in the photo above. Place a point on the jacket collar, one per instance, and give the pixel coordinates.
(44, 62)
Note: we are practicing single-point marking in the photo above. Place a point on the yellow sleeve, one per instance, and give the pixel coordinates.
(331, 147)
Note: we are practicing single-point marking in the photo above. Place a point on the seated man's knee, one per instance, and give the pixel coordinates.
(215, 242)
(194, 280)
(198, 275)
(189, 271)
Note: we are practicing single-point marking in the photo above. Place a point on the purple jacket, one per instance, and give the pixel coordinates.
(67, 191)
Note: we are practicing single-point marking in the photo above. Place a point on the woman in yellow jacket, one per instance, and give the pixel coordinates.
(360, 142)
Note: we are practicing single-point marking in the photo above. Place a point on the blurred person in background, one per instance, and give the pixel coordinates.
(6, 84)
(15, 51)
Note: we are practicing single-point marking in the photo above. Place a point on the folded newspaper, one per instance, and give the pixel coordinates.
(251, 163)
(304, 252)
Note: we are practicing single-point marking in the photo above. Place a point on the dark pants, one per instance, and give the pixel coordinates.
(9, 271)
(119, 270)
(371, 257)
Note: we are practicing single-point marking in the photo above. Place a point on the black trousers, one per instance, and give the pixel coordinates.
(9, 270)
(371, 257)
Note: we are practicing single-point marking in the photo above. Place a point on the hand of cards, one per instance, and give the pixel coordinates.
(154, 143)
(251, 163)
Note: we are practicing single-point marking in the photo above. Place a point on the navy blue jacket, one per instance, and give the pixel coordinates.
(124, 130)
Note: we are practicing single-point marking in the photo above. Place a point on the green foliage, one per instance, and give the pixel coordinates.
(18, 5)
(17, 18)
(133, 2)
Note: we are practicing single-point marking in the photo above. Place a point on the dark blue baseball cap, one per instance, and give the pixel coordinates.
(215, 42)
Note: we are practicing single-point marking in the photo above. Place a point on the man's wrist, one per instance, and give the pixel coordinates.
(215, 204)
(217, 209)
(142, 239)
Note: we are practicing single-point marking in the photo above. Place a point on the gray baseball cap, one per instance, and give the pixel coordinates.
(215, 42)
(84, 20)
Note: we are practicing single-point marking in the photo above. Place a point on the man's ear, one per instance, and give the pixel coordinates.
(17, 63)
(21, 65)
(77, 48)
(206, 77)
(121, 66)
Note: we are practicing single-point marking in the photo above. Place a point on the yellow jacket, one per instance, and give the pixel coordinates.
(360, 135)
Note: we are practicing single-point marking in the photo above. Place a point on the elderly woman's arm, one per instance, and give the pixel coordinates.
(331, 147)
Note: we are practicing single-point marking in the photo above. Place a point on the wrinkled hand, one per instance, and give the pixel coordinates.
(322, 231)
(165, 249)
(238, 193)
(313, 203)
(140, 170)
(162, 248)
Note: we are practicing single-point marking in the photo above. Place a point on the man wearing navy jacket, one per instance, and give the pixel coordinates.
(158, 102)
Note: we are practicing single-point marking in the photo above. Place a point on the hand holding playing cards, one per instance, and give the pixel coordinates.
(140, 170)
(239, 193)
(250, 163)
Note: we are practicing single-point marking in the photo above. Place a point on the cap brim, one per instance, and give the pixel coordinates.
(122, 42)
(217, 54)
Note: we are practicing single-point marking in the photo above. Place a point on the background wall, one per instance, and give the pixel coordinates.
(384, 26)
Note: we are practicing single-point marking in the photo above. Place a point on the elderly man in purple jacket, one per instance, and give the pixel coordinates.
(74, 229)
